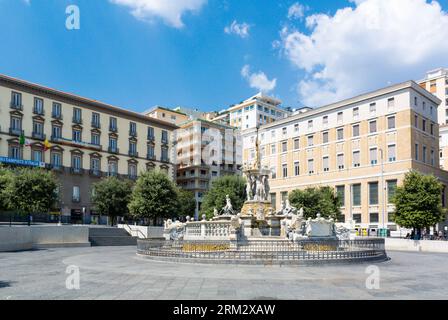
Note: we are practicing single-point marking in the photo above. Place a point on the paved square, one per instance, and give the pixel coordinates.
(118, 273)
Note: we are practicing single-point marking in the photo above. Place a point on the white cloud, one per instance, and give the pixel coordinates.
(366, 47)
(296, 11)
(258, 80)
(170, 11)
(240, 29)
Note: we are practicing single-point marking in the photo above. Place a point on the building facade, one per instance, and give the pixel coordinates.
(205, 151)
(363, 147)
(168, 115)
(436, 82)
(87, 140)
(255, 111)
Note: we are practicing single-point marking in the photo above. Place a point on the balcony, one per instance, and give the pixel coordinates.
(96, 124)
(77, 120)
(151, 156)
(75, 170)
(133, 153)
(56, 167)
(15, 131)
(113, 150)
(132, 176)
(132, 133)
(39, 136)
(95, 172)
(164, 141)
(39, 111)
(56, 115)
(151, 138)
(113, 129)
(165, 159)
(76, 199)
(15, 106)
(112, 174)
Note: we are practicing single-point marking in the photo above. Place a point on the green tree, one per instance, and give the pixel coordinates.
(154, 196)
(418, 202)
(186, 203)
(314, 200)
(5, 179)
(111, 197)
(31, 191)
(234, 186)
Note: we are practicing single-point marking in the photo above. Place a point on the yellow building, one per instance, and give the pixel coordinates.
(362, 146)
(88, 140)
(169, 115)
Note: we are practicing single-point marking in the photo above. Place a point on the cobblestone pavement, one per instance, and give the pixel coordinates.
(118, 273)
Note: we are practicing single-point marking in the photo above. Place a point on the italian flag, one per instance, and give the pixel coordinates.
(23, 141)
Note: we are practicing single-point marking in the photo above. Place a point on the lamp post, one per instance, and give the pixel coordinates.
(383, 187)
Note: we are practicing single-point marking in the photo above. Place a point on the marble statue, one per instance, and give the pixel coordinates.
(249, 187)
(266, 187)
(215, 212)
(259, 191)
(228, 209)
(260, 214)
(174, 230)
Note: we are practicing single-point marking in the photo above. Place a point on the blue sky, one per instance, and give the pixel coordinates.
(182, 55)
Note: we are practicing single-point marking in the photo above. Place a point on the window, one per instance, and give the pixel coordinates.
(164, 136)
(340, 192)
(356, 191)
(310, 166)
(112, 168)
(355, 113)
(432, 159)
(325, 137)
(285, 170)
(112, 144)
(416, 121)
(132, 170)
(340, 160)
(56, 160)
(310, 141)
(284, 146)
(415, 101)
(424, 154)
(150, 153)
(423, 124)
(373, 193)
(76, 162)
(76, 194)
(390, 104)
(391, 122)
(284, 131)
(296, 128)
(355, 130)
(356, 159)
(340, 134)
(325, 164)
(95, 165)
(77, 115)
(325, 120)
(37, 155)
(95, 139)
(373, 216)
(296, 144)
(15, 152)
(372, 126)
(164, 156)
(391, 188)
(284, 195)
(132, 148)
(310, 124)
(373, 156)
(296, 168)
(38, 129)
(357, 217)
(391, 152)
(150, 133)
(273, 173)
(38, 106)
(273, 149)
(372, 108)
(77, 135)
(113, 124)
(273, 200)
(16, 124)
(132, 129)
(56, 111)
(95, 120)
(340, 116)
(416, 151)
(273, 134)
(432, 129)
(424, 106)
(16, 99)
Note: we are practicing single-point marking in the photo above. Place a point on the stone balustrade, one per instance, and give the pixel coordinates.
(207, 230)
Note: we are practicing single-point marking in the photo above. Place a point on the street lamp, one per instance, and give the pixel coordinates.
(383, 209)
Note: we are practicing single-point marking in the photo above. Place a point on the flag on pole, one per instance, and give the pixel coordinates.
(22, 139)
(46, 145)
